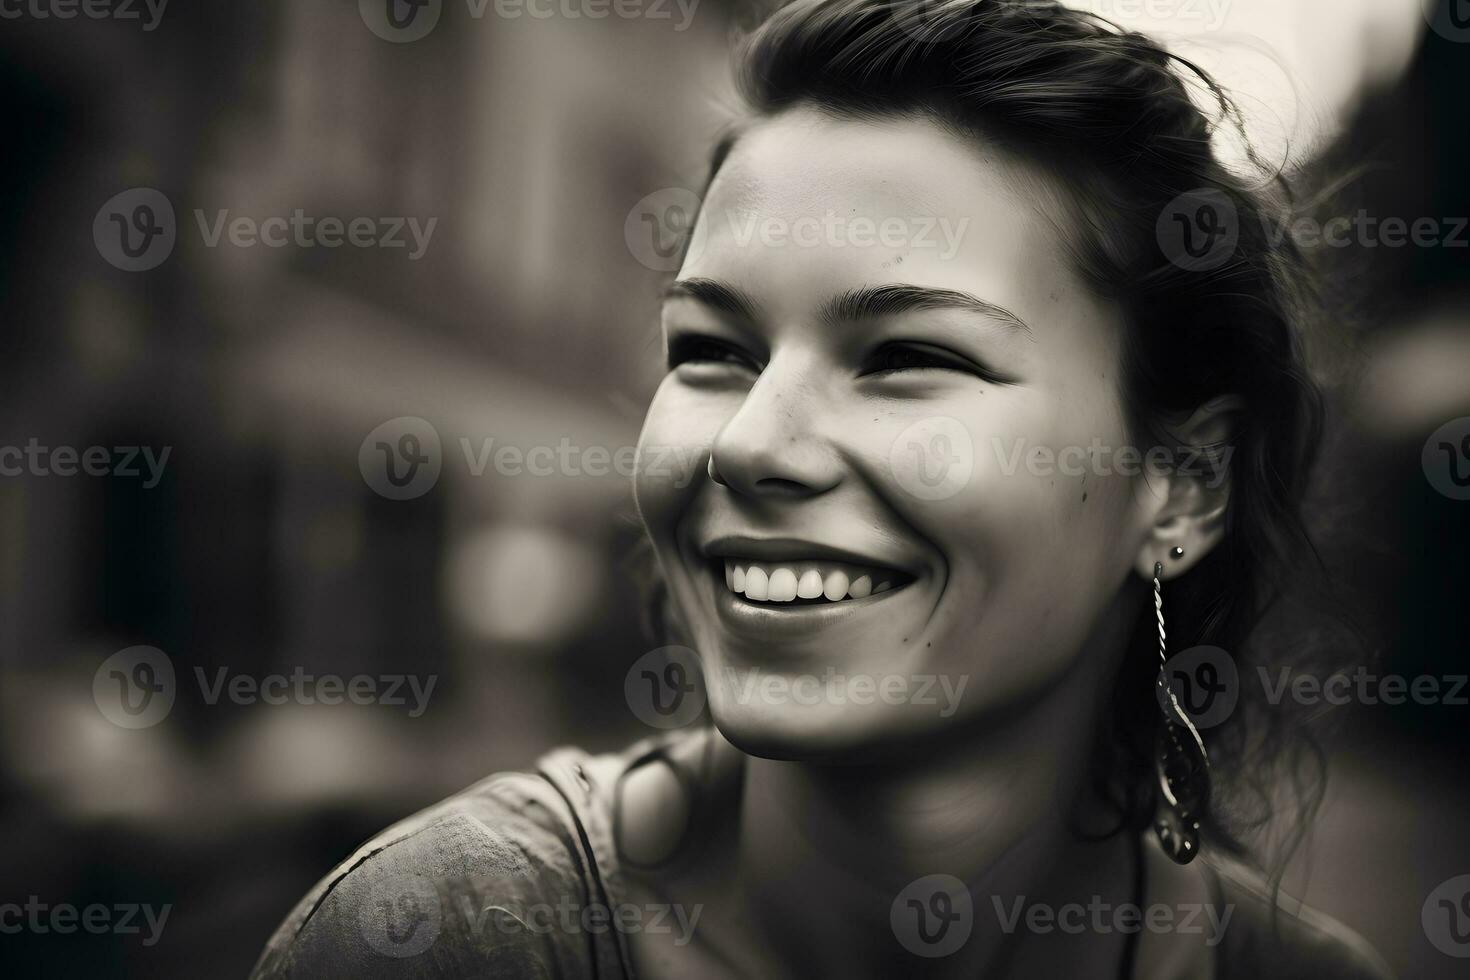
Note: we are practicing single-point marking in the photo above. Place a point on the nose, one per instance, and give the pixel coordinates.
(773, 445)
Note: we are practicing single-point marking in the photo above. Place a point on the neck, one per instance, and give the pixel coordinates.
(997, 806)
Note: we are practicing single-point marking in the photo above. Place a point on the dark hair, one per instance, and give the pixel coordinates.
(1110, 113)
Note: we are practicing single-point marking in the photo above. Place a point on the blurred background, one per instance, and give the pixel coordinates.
(263, 543)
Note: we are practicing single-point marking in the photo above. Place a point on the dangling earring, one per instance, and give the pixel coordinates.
(1180, 762)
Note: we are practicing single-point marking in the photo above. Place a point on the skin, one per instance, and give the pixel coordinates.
(1022, 584)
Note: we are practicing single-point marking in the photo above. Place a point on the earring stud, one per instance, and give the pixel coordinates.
(1176, 552)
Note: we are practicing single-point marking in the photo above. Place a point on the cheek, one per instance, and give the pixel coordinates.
(672, 450)
(1016, 495)
(997, 467)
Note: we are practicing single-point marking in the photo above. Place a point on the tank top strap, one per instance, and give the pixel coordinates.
(583, 782)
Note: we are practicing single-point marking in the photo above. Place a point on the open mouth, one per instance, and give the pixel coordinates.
(818, 582)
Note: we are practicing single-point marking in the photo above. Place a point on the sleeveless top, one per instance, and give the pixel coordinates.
(519, 876)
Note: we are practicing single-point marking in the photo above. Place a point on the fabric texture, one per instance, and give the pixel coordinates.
(518, 877)
(484, 884)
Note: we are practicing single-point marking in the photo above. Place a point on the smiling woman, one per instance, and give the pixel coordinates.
(1108, 288)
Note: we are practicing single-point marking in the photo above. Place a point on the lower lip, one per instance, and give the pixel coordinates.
(780, 622)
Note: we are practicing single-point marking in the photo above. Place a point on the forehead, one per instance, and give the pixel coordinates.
(807, 204)
(805, 156)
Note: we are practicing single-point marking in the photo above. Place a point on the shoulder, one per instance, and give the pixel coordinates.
(1278, 938)
(496, 881)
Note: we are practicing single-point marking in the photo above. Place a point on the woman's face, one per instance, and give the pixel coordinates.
(903, 384)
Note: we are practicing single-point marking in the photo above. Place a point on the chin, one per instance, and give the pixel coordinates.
(824, 732)
(786, 735)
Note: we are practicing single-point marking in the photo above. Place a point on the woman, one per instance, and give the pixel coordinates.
(997, 371)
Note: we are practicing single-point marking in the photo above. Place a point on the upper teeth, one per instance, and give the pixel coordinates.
(768, 582)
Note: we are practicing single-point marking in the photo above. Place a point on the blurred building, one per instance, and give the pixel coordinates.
(525, 322)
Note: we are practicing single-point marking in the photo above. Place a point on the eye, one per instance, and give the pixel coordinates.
(693, 348)
(913, 356)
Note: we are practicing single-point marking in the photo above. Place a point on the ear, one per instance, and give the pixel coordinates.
(1184, 504)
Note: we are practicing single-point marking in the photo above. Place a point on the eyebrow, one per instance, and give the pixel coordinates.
(864, 303)
(716, 295)
(870, 302)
